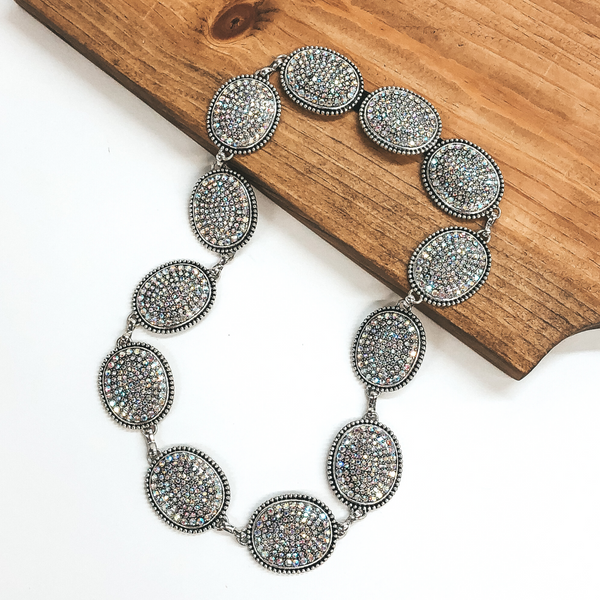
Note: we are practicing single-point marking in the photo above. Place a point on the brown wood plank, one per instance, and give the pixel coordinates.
(521, 78)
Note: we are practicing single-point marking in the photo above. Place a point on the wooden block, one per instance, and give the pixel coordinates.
(519, 78)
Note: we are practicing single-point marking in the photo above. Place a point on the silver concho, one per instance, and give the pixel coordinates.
(243, 114)
(136, 385)
(322, 80)
(174, 296)
(462, 179)
(292, 533)
(187, 489)
(389, 348)
(400, 120)
(365, 464)
(223, 210)
(449, 266)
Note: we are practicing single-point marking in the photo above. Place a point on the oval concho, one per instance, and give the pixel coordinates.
(292, 533)
(223, 210)
(136, 385)
(243, 114)
(365, 464)
(400, 120)
(389, 348)
(322, 80)
(449, 266)
(187, 489)
(462, 178)
(174, 296)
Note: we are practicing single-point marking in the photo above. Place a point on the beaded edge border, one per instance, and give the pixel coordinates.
(380, 141)
(467, 295)
(301, 498)
(191, 322)
(331, 465)
(265, 138)
(311, 107)
(165, 365)
(417, 364)
(227, 493)
(440, 203)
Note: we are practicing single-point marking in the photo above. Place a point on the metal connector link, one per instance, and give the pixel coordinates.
(274, 66)
(220, 159)
(486, 233)
(132, 323)
(216, 270)
(241, 535)
(355, 515)
(372, 396)
(152, 449)
(410, 300)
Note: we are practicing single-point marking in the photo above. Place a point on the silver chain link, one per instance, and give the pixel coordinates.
(355, 515)
(218, 268)
(241, 535)
(220, 159)
(486, 233)
(372, 396)
(131, 324)
(152, 449)
(410, 300)
(274, 66)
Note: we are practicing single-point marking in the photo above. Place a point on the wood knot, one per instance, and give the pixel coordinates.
(234, 21)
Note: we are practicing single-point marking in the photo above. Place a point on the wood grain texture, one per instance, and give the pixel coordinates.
(521, 78)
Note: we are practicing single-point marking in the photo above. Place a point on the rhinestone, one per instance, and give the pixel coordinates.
(322, 80)
(223, 210)
(291, 533)
(365, 464)
(449, 266)
(173, 296)
(187, 489)
(389, 348)
(243, 114)
(136, 385)
(462, 178)
(400, 120)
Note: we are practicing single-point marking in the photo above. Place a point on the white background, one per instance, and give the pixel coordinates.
(500, 492)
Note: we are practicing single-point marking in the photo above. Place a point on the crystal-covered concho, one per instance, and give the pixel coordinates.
(449, 266)
(389, 348)
(187, 489)
(243, 114)
(174, 296)
(223, 210)
(136, 385)
(292, 533)
(462, 178)
(365, 464)
(322, 80)
(400, 120)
